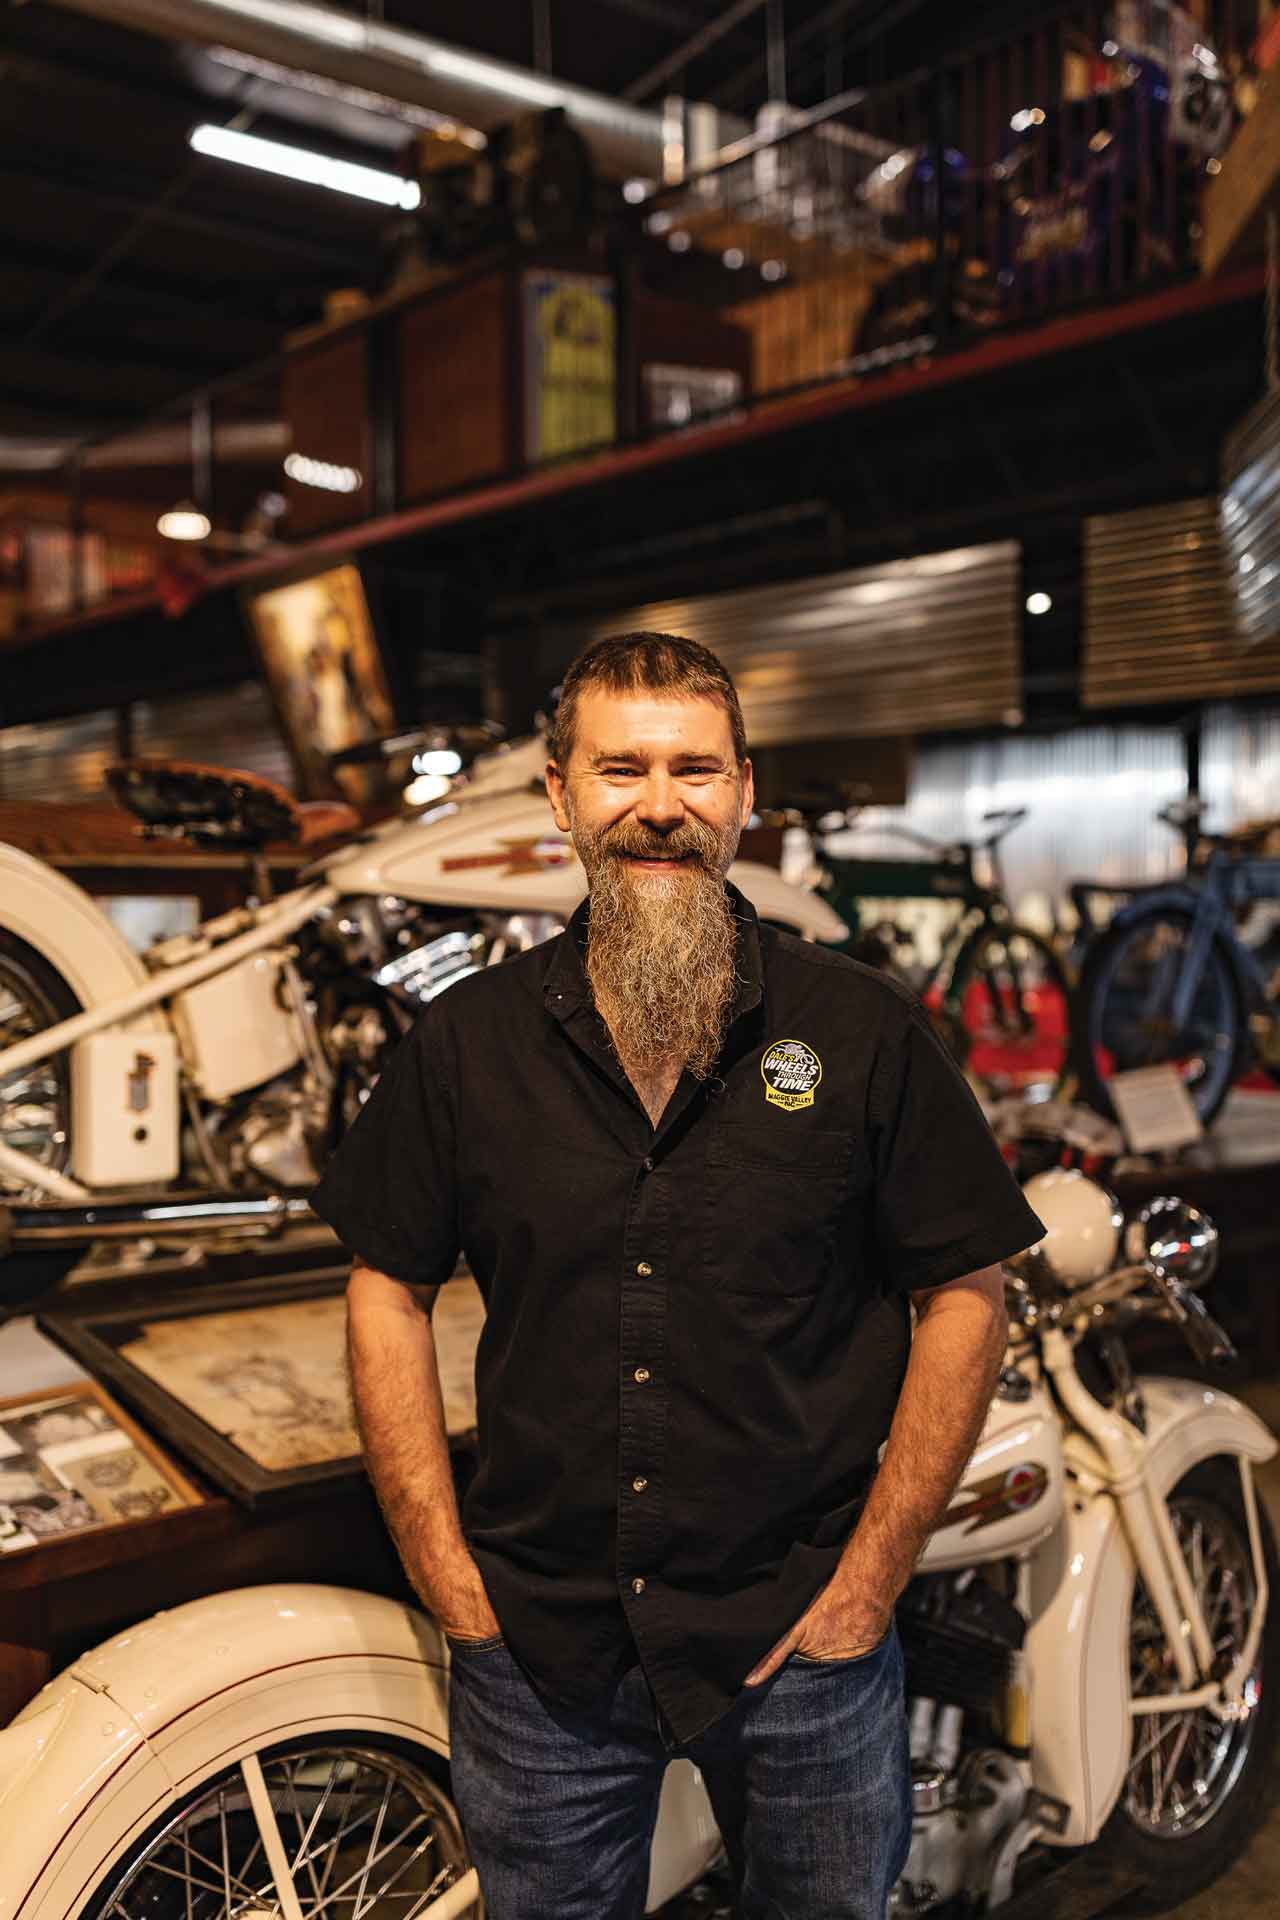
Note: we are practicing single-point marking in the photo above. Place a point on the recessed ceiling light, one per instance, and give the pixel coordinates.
(184, 522)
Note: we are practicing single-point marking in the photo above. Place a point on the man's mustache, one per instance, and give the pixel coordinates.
(682, 843)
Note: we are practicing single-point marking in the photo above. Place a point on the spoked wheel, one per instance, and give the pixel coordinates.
(330, 1829)
(1010, 997)
(1126, 1017)
(35, 1101)
(1196, 1787)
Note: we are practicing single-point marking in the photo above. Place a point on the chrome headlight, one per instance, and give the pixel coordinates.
(1176, 1241)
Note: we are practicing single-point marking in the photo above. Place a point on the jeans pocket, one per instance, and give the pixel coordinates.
(842, 1660)
(494, 1644)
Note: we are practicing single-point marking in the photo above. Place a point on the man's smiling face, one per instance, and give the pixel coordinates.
(652, 781)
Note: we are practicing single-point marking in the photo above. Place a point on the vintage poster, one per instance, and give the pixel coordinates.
(326, 675)
(571, 363)
(272, 1379)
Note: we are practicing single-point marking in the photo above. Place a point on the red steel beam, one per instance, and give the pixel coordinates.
(766, 419)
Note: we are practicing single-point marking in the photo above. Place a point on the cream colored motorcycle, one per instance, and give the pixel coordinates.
(226, 1063)
(1091, 1663)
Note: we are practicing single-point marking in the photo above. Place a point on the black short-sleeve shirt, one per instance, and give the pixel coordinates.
(695, 1334)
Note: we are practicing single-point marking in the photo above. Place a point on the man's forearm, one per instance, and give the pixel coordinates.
(951, 1375)
(395, 1384)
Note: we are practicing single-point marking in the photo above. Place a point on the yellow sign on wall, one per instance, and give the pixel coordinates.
(571, 363)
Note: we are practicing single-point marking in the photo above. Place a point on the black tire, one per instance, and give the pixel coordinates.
(52, 1000)
(1009, 994)
(1098, 1010)
(1173, 1865)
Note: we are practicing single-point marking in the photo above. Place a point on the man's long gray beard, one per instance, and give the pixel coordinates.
(661, 948)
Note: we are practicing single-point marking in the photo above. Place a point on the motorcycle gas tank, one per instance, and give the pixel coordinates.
(1012, 1491)
(503, 850)
(496, 850)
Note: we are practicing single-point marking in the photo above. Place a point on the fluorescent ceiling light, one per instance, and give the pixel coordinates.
(296, 163)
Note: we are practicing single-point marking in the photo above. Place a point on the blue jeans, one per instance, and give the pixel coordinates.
(808, 1776)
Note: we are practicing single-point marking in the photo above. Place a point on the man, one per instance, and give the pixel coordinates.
(698, 1169)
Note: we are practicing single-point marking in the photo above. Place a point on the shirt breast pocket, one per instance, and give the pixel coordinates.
(775, 1200)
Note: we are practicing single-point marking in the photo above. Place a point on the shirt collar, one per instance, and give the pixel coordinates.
(566, 986)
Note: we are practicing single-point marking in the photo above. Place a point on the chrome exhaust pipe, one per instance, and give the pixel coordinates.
(173, 1216)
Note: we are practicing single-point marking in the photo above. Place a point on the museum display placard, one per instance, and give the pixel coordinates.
(249, 1380)
(72, 1460)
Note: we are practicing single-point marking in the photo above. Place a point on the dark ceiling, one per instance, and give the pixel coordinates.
(134, 270)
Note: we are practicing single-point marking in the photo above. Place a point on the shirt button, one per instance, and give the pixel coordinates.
(639, 1483)
(647, 1164)
(637, 1586)
(642, 1374)
(644, 1269)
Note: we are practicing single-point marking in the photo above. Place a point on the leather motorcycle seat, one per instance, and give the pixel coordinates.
(223, 806)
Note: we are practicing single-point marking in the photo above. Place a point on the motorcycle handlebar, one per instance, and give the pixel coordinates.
(1210, 1343)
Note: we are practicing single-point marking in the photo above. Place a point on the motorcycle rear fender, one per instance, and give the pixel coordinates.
(137, 1723)
(1081, 1587)
(69, 930)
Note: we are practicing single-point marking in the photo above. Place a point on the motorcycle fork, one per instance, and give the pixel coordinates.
(1144, 1516)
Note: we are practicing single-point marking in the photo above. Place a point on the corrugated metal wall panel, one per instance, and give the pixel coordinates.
(913, 646)
(1251, 519)
(1160, 617)
(60, 760)
(228, 727)
(65, 759)
(1240, 764)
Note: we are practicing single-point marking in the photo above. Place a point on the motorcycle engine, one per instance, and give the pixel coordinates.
(959, 1635)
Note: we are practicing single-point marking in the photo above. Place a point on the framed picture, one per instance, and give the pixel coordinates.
(72, 1460)
(248, 1381)
(320, 654)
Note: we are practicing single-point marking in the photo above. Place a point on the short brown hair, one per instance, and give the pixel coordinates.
(646, 663)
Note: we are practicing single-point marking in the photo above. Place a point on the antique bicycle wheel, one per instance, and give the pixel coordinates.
(1125, 1014)
(1009, 997)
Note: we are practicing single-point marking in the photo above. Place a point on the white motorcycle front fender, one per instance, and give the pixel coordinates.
(1081, 1588)
(136, 1725)
(69, 930)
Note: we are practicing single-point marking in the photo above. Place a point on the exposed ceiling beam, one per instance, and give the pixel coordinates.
(825, 21)
(95, 382)
(691, 49)
(674, 19)
(104, 87)
(34, 273)
(405, 64)
(272, 241)
(27, 408)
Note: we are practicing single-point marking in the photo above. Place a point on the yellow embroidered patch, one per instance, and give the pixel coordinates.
(791, 1072)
